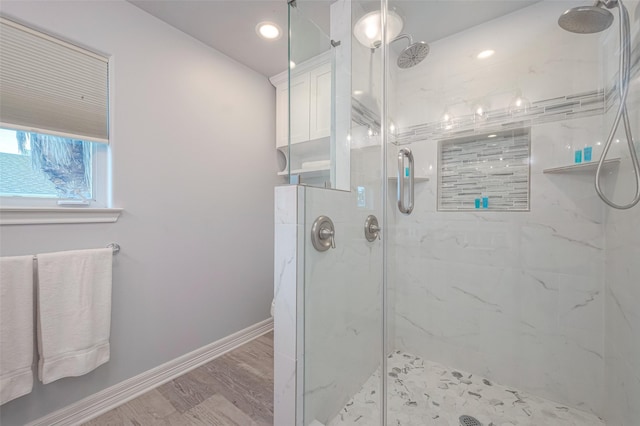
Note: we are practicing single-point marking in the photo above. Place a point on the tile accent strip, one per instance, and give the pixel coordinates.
(547, 110)
(585, 104)
(474, 168)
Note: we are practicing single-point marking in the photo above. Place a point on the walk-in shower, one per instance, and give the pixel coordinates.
(498, 288)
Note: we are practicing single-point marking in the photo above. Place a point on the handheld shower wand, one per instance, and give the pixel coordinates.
(593, 19)
(623, 83)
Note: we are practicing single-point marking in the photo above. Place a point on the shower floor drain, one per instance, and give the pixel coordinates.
(469, 421)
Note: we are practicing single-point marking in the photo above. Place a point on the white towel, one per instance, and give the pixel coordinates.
(16, 327)
(316, 164)
(74, 312)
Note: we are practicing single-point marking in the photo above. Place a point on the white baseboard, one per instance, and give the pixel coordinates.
(108, 399)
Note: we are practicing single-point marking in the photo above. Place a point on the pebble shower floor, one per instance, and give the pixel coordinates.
(423, 393)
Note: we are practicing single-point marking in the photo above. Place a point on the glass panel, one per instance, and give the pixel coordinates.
(509, 295)
(310, 102)
(319, 96)
(496, 313)
(620, 291)
(343, 285)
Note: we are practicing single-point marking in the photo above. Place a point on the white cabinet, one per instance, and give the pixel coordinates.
(310, 102)
(320, 102)
(282, 115)
(299, 111)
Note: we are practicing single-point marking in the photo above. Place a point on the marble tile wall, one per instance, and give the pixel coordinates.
(342, 292)
(514, 296)
(338, 293)
(327, 312)
(288, 302)
(327, 305)
(531, 63)
(622, 319)
(343, 286)
(622, 269)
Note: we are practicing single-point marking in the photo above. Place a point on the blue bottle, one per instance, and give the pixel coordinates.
(578, 156)
(587, 153)
(477, 201)
(485, 202)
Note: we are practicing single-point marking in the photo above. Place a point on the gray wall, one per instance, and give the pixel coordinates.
(193, 167)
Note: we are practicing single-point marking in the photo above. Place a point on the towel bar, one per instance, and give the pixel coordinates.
(113, 246)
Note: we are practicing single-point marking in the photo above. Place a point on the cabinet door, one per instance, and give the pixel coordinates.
(300, 108)
(282, 115)
(320, 102)
(299, 111)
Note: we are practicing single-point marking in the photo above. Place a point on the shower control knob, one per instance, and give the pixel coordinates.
(323, 234)
(371, 228)
(326, 233)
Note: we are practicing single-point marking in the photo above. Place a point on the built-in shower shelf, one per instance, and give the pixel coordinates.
(309, 173)
(582, 167)
(415, 179)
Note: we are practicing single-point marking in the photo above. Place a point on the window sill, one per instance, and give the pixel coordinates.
(51, 215)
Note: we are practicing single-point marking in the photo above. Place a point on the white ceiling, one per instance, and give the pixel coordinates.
(229, 25)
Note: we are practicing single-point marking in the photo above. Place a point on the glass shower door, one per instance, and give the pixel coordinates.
(507, 294)
(342, 301)
(509, 283)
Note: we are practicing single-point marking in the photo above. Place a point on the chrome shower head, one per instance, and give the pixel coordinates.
(413, 54)
(586, 19)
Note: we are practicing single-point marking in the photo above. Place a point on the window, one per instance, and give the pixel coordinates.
(45, 166)
(53, 120)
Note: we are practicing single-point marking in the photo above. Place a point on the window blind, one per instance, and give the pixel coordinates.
(50, 86)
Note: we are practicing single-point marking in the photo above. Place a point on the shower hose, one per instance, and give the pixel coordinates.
(623, 87)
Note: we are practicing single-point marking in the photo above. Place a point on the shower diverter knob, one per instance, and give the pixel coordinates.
(371, 228)
(323, 234)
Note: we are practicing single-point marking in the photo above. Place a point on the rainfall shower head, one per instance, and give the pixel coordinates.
(586, 19)
(413, 54)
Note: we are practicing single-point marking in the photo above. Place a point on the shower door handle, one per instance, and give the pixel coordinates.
(402, 206)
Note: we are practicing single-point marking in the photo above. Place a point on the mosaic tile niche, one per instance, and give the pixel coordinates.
(485, 172)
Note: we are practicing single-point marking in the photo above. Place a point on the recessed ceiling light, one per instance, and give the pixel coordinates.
(358, 92)
(492, 136)
(268, 30)
(292, 64)
(486, 54)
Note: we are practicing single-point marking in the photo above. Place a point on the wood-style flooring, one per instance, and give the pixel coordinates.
(234, 389)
